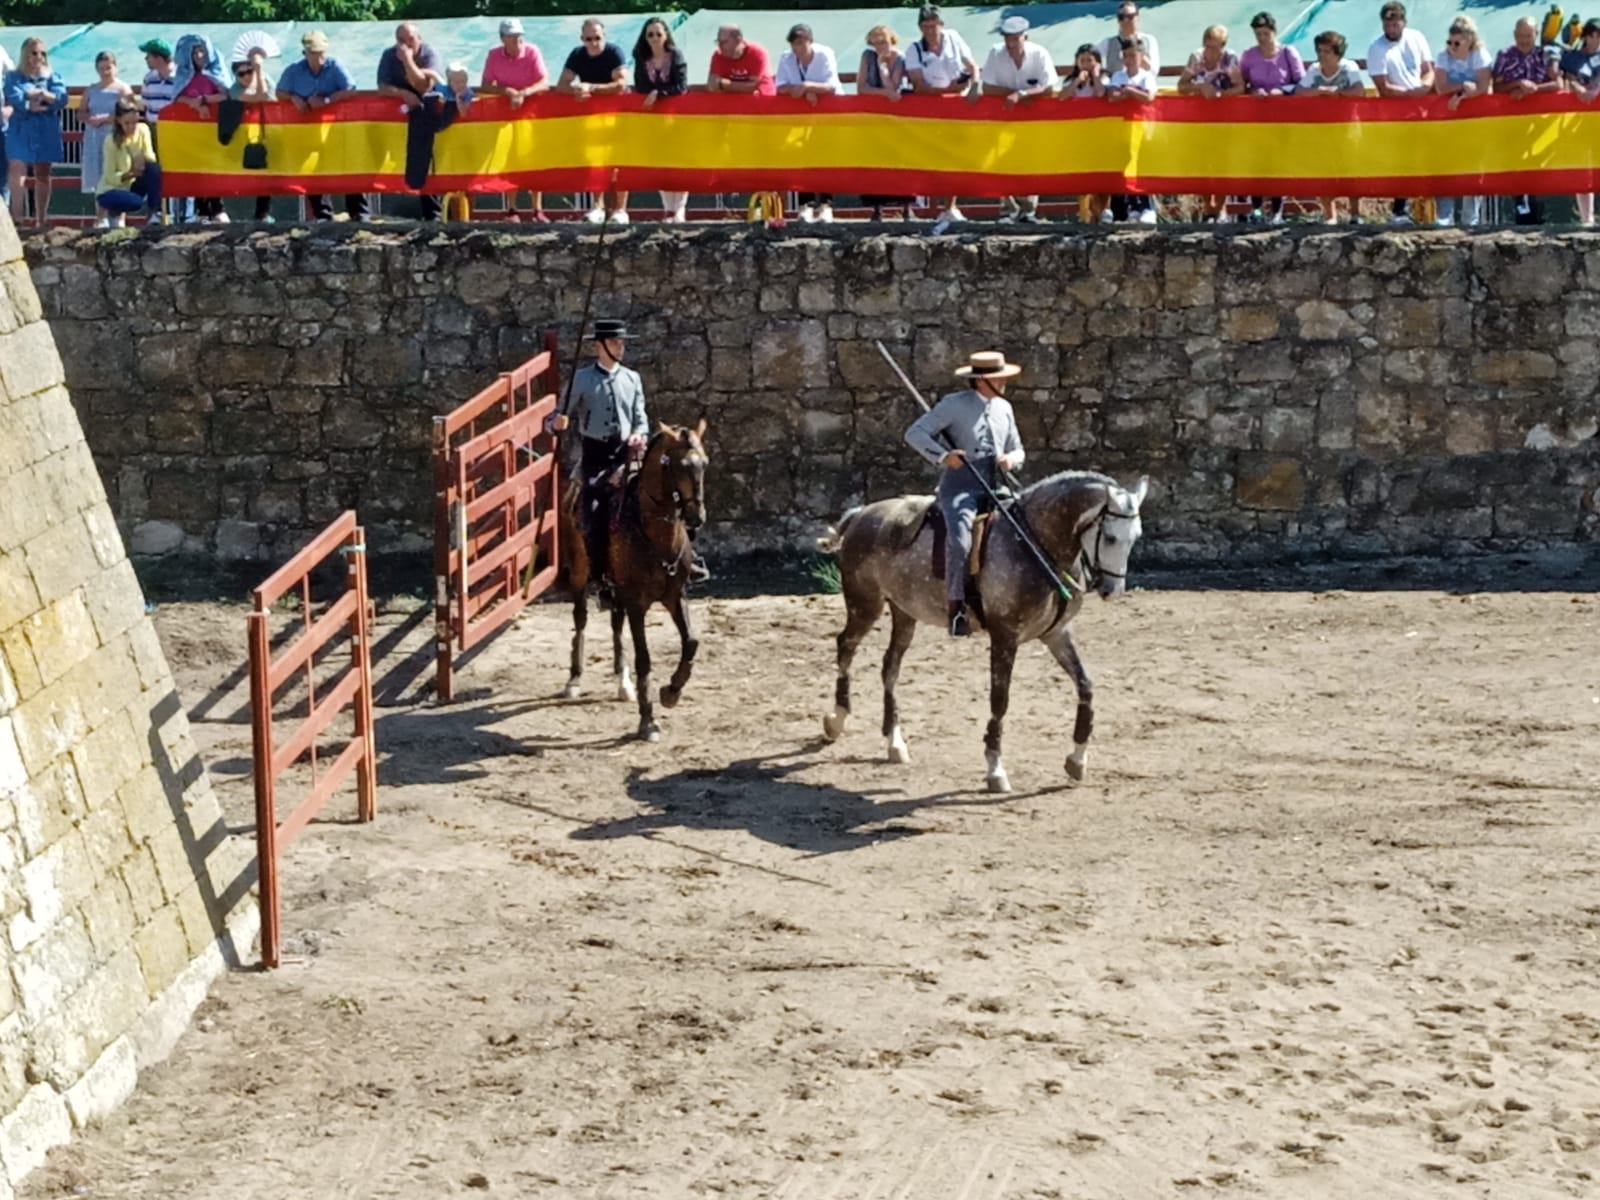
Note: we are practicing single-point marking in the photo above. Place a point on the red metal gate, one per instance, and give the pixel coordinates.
(353, 687)
(497, 492)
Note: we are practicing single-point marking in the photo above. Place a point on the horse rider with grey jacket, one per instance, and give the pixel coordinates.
(974, 428)
(607, 405)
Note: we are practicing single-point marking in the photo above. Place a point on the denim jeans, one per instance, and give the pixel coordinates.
(146, 189)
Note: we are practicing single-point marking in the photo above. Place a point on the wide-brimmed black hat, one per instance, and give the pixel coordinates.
(605, 328)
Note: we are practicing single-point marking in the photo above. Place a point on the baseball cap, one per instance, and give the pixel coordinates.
(314, 40)
(157, 46)
(1014, 25)
(509, 26)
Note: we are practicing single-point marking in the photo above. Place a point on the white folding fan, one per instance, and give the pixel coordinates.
(255, 39)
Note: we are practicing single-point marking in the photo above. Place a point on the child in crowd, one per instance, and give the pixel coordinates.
(1136, 82)
(1088, 80)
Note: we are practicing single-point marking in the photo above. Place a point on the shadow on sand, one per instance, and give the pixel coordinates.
(763, 797)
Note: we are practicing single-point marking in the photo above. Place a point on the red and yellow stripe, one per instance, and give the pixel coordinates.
(921, 145)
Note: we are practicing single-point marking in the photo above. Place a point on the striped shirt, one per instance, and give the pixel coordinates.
(157, 92)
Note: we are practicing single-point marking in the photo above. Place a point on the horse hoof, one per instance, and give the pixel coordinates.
(1000, 783)
(899, 752)
(669, 698)
(833, 724)
(1075, 770)
(572, 691)
(650, 734)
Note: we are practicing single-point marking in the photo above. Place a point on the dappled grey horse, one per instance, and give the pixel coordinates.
(1086, 526)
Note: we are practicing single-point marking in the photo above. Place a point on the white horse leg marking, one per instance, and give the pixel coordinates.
(574, 688)
(625, 688)
(1076, 761)
(997, 779)
(899, 752)
(833, 723)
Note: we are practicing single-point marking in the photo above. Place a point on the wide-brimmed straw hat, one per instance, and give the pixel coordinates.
(988, 364)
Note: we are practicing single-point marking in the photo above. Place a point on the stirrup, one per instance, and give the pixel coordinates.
(960, 626)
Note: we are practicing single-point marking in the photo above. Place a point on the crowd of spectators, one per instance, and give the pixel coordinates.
(120, 167)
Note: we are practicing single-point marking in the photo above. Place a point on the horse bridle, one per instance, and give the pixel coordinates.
(1091, 569)
(677, 496)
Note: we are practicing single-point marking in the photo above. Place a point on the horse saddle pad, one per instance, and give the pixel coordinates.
(980, 539)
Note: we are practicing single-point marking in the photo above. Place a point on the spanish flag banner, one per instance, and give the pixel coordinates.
(702, 142)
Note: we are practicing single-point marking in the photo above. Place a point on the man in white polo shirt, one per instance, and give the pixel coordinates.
(1018, 70)
(1401, 65)
(939, 63)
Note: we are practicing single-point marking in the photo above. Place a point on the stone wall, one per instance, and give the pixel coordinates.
(118, 883)
(1291, 393)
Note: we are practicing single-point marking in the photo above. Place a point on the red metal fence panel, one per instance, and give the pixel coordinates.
(497, 495)
(353, 687)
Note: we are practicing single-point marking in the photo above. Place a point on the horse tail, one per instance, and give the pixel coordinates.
(829, 542)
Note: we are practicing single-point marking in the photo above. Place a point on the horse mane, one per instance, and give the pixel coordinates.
(1070, 478)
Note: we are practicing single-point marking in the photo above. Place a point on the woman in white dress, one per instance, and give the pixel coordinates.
(99, 101)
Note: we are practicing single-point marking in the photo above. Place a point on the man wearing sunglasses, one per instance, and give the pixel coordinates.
(1128, 27)
(597, 68)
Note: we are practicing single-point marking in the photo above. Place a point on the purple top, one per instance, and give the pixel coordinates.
(1262, 74)
(1512, 64)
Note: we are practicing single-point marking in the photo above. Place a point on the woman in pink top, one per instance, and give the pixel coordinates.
(516, 68)
(1269, 70)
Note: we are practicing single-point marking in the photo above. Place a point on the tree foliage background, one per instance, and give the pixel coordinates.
(177, 12)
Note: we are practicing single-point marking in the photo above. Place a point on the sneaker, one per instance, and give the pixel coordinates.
(1106, 217)
(619, 216)
(825, 214)
(1028, 218)
(595, 215)
(1147, 217)
(1400, 219)
(1277, 219)
(1253, 217)
(223, 218)
(807, 213)
(1444, 222)
(540, 217)
(954, 214)
(103, 223)
(1006, 218)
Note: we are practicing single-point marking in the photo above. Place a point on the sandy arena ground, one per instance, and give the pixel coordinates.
(1324, 921)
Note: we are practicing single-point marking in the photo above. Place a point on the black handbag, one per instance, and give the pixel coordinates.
(255, 153)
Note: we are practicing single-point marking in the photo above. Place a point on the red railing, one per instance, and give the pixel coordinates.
(268, 675)
(497, 493)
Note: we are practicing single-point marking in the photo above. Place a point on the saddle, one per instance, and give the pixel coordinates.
(934, 519)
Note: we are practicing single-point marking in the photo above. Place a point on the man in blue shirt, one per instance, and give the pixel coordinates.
(314, 82)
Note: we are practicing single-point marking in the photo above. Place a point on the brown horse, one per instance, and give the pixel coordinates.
(1084, 523)
(649, 553)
